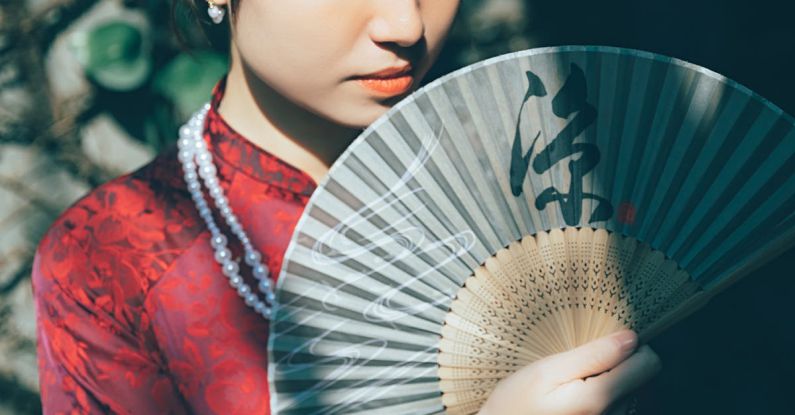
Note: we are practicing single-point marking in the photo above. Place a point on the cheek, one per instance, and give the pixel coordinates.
(439, 18)
(291, 71)
(296, 50)
(307, 65)
(299, 34)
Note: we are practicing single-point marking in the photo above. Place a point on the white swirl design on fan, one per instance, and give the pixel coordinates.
(347, 360)
(342, 358)
(411, 239)
(384, 309)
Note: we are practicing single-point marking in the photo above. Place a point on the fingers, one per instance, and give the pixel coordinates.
(591, 358)
(624, 378)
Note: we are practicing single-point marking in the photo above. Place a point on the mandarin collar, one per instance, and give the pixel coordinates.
(240, 154)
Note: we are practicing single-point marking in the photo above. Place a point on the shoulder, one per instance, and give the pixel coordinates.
(122, 235)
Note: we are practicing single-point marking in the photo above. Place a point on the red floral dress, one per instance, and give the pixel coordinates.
(133, 313)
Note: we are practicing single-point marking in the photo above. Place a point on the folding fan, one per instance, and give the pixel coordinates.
(516, 208)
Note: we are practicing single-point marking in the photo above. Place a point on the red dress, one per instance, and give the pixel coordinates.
(133, 313)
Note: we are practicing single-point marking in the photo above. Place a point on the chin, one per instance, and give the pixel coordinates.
(362, 117)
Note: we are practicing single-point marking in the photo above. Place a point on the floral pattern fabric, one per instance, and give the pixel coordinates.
(133, 313)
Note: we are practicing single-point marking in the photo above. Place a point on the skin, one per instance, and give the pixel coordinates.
(289, 88)
(289, 91)
(588, 380)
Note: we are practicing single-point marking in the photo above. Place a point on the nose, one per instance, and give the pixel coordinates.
(397, 21)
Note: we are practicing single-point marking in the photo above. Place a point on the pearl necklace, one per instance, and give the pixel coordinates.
(193, 155)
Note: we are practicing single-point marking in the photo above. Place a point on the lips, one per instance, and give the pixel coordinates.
(390, 72)
(389, 81)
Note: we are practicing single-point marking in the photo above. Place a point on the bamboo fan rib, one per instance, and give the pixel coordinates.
(546, 294)
(516, 208)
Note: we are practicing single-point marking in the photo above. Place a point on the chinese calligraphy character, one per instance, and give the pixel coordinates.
(571, 99)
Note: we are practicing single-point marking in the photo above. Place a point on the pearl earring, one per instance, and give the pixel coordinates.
(216, 13)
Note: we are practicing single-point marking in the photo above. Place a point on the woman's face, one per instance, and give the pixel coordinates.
(312, 51)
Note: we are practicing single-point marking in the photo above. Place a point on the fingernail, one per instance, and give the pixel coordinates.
(627, 340)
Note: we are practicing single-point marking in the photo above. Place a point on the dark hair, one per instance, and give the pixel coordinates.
(183, 20)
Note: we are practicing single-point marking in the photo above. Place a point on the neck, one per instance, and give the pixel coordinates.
(272, 122)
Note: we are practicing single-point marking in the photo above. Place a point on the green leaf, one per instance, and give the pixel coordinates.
(187, 80)
(115, 55)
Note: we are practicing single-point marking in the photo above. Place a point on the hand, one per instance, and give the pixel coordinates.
(583, 381)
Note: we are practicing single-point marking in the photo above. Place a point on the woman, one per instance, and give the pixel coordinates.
(134, 313)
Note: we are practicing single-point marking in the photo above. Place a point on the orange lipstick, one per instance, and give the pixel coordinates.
(389, 86)
(390, 81)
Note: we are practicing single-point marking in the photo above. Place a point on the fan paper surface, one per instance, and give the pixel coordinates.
(516, 208)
